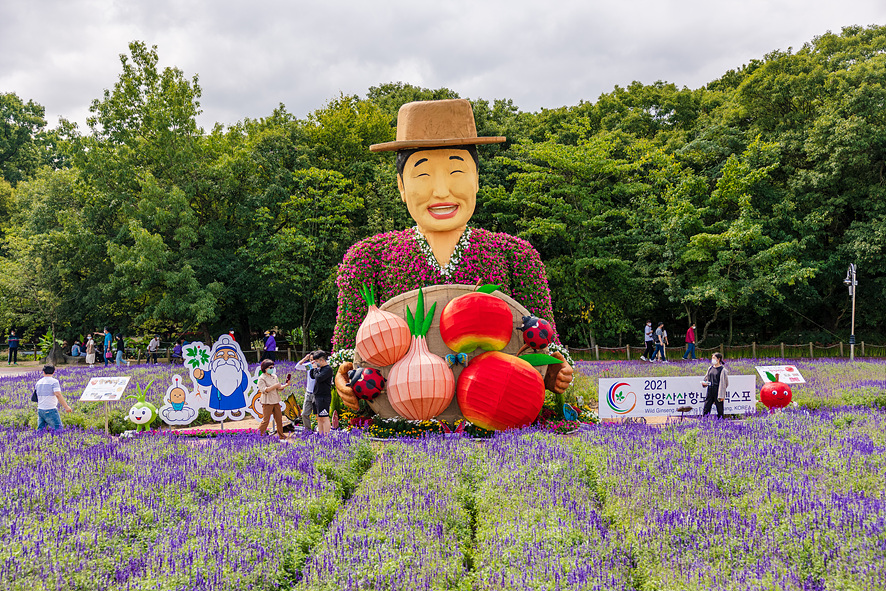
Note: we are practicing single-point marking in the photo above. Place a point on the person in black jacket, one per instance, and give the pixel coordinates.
(322, 375)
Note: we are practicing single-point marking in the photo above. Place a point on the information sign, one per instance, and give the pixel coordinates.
(105, 389)
(657, 397)
(787, 374)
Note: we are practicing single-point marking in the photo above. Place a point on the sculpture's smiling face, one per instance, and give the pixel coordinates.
(440, 188)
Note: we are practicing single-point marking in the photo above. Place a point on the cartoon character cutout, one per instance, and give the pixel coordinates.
(227, 379)
(177, 409)
(142, 412)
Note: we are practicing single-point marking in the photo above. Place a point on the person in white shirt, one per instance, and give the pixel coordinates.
(152, 349)
(308, 406)
(649, 341)
(49, 395)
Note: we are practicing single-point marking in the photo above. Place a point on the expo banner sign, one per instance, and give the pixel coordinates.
(658, 397)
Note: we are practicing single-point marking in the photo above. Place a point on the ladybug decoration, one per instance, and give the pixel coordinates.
(537, 332)
(366, 382)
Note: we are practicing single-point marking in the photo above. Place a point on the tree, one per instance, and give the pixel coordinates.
(298, 249)
(20, 125)
(37, 272)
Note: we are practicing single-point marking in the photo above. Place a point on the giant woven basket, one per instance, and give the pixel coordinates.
(442, 295)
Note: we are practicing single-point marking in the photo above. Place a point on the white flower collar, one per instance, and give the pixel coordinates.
(454, 261)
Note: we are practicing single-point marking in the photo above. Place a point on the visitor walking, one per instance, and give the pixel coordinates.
(322, 374)
(660, 343)
(178, 352)
(49, 395)
(152, 349)
(648, 341)
(12, 342)
(690, 342)
(270, 387)
(271, 346)
(107, 346)
(90, 350)
(121, 350)
(308, 404)
(716, 380)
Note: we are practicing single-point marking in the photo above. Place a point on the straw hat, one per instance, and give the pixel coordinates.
(435, 124)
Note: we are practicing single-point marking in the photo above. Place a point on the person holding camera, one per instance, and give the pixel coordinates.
(270, 388)
(716, 381)
(322, 375)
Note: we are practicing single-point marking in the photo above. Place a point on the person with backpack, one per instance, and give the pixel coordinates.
(48, 391)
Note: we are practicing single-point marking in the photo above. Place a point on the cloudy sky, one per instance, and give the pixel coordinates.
(251, 56)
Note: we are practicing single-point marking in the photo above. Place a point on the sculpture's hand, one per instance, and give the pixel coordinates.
(558, 377)
(198, 373)
(341, 386)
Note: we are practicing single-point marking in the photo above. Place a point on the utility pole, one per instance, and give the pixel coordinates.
(851, 283)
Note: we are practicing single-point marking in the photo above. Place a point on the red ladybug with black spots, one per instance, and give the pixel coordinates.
(366, 382)
(537, 332)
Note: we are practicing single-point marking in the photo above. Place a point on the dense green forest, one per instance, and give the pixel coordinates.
(737, 206)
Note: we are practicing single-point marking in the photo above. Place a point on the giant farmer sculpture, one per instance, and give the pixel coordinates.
(437, 175)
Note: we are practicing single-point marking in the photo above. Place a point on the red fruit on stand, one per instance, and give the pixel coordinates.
(775, 394)
(476, 320)
(498, 391)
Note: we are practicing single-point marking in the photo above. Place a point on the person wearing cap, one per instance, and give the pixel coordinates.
(322, 375)
(49, 396)
(438, 180)
(269, 387)
(271, 346)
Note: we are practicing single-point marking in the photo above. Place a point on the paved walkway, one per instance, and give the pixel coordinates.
(22, 368)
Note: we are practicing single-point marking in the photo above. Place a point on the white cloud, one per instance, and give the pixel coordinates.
(252, 56)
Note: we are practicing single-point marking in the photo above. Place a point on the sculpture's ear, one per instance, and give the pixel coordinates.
(401, 188)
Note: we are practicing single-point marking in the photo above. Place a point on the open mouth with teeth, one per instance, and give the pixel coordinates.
(442, 211)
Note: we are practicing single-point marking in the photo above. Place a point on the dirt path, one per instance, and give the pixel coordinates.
(23, 367)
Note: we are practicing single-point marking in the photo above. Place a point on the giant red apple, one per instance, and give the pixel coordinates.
(498, 391)
(775, 395)
(476, 320)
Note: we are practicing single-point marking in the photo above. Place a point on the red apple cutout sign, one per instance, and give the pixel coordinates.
(775, 394)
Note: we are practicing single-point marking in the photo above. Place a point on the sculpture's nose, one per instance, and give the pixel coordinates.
(441, 185)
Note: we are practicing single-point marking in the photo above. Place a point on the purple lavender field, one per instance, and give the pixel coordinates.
(793, 501)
